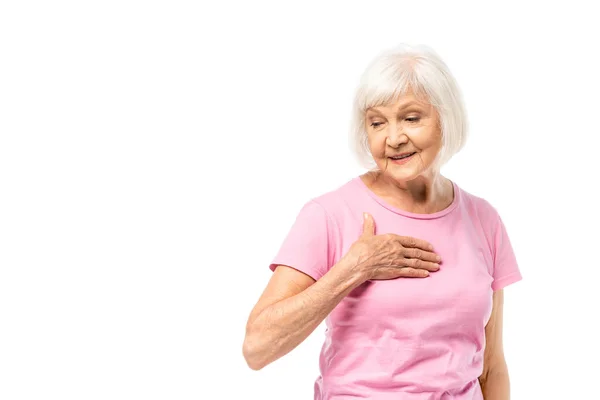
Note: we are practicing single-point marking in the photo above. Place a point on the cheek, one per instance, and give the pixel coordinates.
(377, 143)
(427, 140)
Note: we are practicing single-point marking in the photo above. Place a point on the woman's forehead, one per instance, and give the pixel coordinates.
(401, 103)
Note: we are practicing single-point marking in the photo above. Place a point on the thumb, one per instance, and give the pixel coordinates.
(368, 225)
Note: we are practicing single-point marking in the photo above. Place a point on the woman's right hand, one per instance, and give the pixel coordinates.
(390, 256)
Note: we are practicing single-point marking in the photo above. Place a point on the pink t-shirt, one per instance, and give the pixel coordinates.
(406, 338)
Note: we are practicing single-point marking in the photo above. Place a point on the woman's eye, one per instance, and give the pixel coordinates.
(413, 119)
(375, 124)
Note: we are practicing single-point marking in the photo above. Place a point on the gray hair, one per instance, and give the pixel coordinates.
(394, 72)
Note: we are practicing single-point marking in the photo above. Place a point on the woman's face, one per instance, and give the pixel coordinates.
(410, 125)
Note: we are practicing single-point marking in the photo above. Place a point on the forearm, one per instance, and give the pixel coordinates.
(281, 327)
(495, 385)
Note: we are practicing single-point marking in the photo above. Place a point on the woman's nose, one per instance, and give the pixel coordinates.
(396, 136)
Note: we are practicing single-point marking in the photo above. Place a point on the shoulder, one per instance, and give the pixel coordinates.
(335, 198)
(480, 209)
(332, 208)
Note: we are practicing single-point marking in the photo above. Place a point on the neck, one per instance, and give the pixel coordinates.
(428, 193)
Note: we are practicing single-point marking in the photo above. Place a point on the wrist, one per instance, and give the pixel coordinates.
(353, 272)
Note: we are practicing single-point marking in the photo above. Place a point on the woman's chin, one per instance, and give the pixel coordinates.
(400, 174)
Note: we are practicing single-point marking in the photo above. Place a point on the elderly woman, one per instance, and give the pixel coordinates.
(405, 266)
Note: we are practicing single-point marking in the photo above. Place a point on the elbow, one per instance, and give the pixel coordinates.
(493, 370)
(252, 355)
(251, 360)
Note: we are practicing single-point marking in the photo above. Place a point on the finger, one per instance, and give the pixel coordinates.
(368, 225)
(409, 241)
(424, 255)
(414, 273)
(417, 263)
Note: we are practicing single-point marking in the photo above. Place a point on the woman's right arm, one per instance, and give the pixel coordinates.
(293, 304)
(291, 308)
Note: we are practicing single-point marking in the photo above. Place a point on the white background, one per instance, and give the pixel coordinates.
(154, 154)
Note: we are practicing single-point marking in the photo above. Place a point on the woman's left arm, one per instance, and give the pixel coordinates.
(494, 381)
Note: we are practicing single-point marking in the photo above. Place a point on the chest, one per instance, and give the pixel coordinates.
(451, 301)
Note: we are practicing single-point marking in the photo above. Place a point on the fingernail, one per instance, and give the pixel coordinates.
(438, 258)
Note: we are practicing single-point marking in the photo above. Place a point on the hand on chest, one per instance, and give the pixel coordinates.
(459, 294)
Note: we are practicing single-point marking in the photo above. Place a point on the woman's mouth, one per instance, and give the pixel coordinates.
(402, 158)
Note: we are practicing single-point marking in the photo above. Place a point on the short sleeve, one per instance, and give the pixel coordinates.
(506, 270)
(308, 244)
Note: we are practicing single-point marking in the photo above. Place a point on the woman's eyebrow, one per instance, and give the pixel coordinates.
(373, 111)
(407, 107)
(411, 104)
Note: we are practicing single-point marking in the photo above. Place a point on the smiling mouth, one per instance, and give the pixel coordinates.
(402, 156)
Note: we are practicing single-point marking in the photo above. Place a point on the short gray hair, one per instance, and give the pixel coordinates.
(391, 74)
